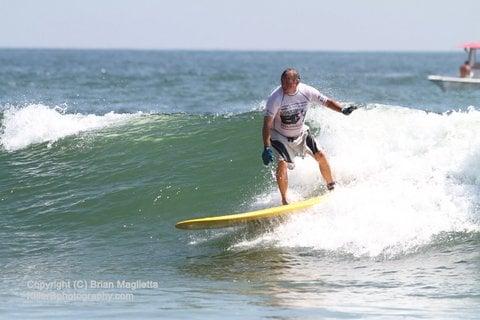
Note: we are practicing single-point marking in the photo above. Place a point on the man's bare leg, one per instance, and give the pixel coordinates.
(324, 167)
(282, 180)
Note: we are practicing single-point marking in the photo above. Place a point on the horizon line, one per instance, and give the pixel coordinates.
(229, 49)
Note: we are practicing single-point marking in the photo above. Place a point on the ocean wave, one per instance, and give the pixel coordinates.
(405, 176)
(38, 123)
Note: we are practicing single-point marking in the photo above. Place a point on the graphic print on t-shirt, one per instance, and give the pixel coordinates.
(292, 114)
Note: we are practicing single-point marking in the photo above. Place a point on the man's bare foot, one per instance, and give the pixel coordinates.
(331, 186)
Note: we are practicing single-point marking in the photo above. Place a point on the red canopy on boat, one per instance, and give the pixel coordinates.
(471, 45)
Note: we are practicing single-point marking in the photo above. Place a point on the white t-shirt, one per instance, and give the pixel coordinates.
(289, 110)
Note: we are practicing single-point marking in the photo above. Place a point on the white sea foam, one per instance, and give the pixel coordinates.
(404, 176)
(37, 123)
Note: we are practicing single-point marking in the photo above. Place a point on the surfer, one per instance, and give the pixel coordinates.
(284, 128)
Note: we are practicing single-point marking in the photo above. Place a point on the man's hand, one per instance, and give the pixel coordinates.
(267, 156)
(347, 110)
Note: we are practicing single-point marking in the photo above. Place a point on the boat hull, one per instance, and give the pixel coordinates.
(454, 82)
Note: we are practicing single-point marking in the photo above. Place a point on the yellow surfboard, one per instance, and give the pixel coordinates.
(241, 218)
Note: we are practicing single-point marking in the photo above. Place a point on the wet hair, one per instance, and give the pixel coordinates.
(290, 72)
(466, 62)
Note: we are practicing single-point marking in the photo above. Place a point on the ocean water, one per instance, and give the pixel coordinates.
(101, 152)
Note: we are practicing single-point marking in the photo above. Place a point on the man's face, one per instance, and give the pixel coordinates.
(289, 84)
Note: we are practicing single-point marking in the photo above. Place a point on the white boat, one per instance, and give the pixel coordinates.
(445, 82)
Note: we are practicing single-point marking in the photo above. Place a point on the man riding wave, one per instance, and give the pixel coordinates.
(285, 133)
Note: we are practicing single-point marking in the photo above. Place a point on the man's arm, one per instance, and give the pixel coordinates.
(316, 96)
(267, 154)
(267, 125)
(334, 105)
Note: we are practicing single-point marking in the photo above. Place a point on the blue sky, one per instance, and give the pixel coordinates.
(351, 25)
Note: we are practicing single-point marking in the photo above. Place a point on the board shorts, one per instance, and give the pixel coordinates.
(286, 149)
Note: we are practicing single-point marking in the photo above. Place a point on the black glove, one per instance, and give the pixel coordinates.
(347, 110)
(267, 156)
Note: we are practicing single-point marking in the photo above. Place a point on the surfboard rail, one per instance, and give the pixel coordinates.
(230, 220)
